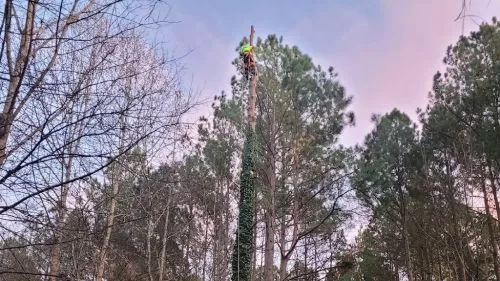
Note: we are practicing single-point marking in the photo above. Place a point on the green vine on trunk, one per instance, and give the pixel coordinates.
(242, 253)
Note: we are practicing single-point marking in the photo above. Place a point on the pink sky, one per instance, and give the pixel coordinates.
(385, 64)
(395, 69)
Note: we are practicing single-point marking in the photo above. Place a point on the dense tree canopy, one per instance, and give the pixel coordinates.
(434, 195)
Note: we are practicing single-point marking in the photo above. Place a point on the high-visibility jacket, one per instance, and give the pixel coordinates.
(246, 49)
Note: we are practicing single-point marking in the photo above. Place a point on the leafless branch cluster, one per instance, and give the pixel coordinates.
(80, 88)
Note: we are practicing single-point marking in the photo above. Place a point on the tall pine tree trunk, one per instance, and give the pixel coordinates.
(189, 239)
(283, 225)
(205, 245)
(270, 217)
(407, 250)
(406, 238)
(163, 254)
(286, 253)
(242, 252)
(491, 231)
(270, 199)
(227, 222)
(456, 231)
(216, 253)
(494, 190)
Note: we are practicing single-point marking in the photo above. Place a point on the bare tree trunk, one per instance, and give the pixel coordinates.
(221, 231)
(148, 246)
(270, 217)
(205, 245)
(189, 238)
(286, 253)
(116, 171)
(227, 222)
(269, 244)
(456, 231)
(494, 190)
(109, 229)
(284, 257)
(17, 74)
(55, 251)
(407, 246)
(115, 184)
(163, 253)
(406, 239)
(218, 229)
(491, 232)
(215, 260)
(270, 214)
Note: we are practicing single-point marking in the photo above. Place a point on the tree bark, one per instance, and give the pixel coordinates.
(227, 222)
(205, 245)
(109, 228)
(148, 246)
(115, 184)
(407, 250)
(164, 239)
(456, 231)
(269, 246)
(17, 75)
(55, 251)
(491, 231)
(242, 252)
(218, 228)
(284, 257)
(494, 190)
(252, 112)
(286, 253)
(270, 215)
(188, 241)
(406, 238)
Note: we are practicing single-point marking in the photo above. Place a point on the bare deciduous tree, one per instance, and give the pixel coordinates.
(75, 75)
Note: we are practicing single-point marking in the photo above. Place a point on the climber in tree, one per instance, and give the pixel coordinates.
(246, 53)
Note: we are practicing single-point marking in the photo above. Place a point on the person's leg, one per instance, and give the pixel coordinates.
(251, 65)
(246, 62)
